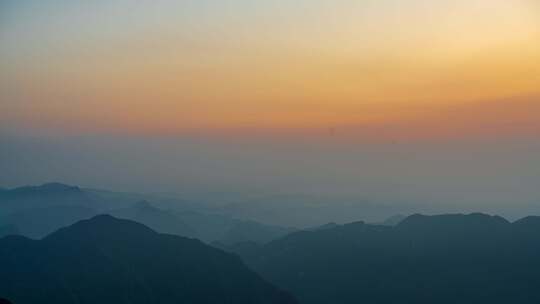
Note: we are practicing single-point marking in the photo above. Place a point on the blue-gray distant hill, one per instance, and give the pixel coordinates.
(108, 260)
(39, 210)
(35, 211)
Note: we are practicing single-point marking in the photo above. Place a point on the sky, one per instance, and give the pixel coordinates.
(318, 80)
(176, 67)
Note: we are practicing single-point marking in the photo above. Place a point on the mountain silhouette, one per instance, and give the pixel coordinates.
(454, 258)
(109, 260)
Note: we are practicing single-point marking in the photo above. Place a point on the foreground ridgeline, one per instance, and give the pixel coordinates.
(108, 260)
(472, 258)
(445, 259)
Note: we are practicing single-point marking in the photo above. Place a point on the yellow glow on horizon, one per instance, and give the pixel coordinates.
(317, 66)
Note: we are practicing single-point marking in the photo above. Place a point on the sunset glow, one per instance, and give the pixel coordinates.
(372, 68)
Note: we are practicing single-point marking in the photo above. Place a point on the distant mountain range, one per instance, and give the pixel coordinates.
(38, 210)
(452, 258)
(456, 258)
(108, 260)
(35, 211)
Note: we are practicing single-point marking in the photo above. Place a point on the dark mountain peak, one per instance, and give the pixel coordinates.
(109, 260)
(447, 254)
(103, 226)
(459, 221)
(100, 219)
(107, 221)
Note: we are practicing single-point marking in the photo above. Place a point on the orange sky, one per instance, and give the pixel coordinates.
(387, 68)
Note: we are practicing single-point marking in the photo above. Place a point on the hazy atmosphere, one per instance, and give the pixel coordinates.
(387, 101)
(492, 176)
(270, 151)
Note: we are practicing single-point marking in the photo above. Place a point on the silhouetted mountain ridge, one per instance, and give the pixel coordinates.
(452, 221)
(109, 260)
(454, 258)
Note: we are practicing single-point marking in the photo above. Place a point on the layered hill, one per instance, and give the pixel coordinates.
(108, 260)
(457, 258)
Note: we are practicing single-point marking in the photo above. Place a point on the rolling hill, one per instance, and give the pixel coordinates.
(108, 260)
